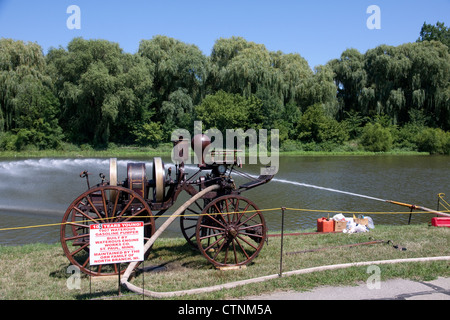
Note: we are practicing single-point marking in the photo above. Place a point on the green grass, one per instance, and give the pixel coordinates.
(119, 152)
(39, 271)
(166, 149)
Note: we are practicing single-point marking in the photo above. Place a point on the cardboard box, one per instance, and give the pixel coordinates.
(340, 225)
(364, 221)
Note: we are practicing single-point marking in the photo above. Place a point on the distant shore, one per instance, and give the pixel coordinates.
(166, 149)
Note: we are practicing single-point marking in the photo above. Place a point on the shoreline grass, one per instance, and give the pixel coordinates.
(40, 271)
(165, 150)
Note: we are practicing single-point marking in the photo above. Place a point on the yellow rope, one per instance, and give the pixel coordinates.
(441, 198)
(355, 212)
(227, 213)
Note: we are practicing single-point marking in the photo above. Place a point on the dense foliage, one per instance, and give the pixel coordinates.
(92, 94)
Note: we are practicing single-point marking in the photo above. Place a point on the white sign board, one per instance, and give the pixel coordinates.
(116, 242)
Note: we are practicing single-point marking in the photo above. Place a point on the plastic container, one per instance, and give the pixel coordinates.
(325, 225)
(440, 222)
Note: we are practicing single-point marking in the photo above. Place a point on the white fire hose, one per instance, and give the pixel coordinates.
(132, 266)
(231, 285)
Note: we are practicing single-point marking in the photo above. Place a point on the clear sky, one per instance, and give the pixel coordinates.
(318, 30)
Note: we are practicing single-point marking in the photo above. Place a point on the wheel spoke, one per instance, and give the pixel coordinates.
(126, 207)
(104, 204)
(93, 207)
(220, 249)
(241, 213)
(82, 212)
(256, 213)
(188, 221)
(241, 235)
(77, 237)
(85, 215)
(79, 249)
(242, 248)
(214, 243)
(116, 201)
(81, 226)
(217, 221)
(250, 244)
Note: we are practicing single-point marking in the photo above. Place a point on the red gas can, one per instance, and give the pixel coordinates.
(325, 225)
(440, 222)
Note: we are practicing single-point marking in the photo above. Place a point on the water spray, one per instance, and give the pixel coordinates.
(411, 206)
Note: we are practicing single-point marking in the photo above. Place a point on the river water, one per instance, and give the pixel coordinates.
(36, 192)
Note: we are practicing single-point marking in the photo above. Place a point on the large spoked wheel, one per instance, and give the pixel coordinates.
(231, 231)
(104, 204)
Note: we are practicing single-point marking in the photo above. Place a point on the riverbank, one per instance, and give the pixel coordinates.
(166, 150)
(40, 271)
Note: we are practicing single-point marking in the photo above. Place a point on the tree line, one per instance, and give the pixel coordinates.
(93, 94)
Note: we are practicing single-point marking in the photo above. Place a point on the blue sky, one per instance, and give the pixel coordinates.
(318, 30)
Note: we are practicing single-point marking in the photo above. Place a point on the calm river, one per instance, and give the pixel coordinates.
(38, 191)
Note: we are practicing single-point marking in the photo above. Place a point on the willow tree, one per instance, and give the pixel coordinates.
(28, 107)
(100, 88)
(244, 67)
(177, 65)
(395, 81)
(351, 79)
(135, 84)
(295, 73)
(22, 65)
(177, 111)
(412, 76)
(284, 83)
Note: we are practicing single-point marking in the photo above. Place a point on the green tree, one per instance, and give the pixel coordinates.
(376, 138)
(438, 32)
(28, 108)
(248, 71)
(177, 111)
(102, 90)
(316, 126)
(354, 122)
(411, 76)
(135, 85)
(224, 110)
(320, 88)
(434, 141)
(177, 66)
(245, 67)
(395, 80)
(277, 79)
(351, 79)
(148, 134)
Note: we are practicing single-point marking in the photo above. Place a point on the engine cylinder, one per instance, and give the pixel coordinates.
(199, 144)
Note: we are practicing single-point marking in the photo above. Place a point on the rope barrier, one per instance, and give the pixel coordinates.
(225, 213)
(441, 198)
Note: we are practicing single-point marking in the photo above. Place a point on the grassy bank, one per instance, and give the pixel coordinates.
(166, 149)
(116, 152)
(39, 271)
